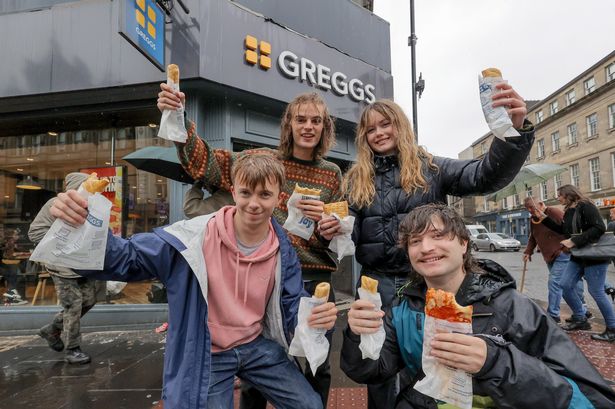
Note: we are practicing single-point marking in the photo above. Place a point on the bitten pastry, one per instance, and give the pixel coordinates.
(441, 304)
(339, 208)
(369, 284)
(306, 190)
(173, 73)
(94, 185)
(322, 290)
(491, 72)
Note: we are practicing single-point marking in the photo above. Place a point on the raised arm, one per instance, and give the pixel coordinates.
(213, 166)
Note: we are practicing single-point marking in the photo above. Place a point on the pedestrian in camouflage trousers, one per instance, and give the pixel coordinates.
(76, 294)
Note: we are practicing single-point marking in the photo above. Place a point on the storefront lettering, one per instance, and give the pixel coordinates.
(145, 38)
(319, 75)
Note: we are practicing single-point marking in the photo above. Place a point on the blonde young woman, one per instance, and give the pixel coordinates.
(393, 175)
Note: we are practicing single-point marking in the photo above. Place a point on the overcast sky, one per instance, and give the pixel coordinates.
(539, 45)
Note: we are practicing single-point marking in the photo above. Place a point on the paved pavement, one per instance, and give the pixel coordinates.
(126, 368)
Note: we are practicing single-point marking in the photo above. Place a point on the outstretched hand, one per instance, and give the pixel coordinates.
(513, 102)
(170, 99)
(70, 207)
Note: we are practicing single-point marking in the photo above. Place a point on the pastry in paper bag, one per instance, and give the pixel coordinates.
(296, 222)
(309, 342)
(442, 382)
(342, 243)
(371, 344)
(172, 125)
(497, 118)
(79, 247)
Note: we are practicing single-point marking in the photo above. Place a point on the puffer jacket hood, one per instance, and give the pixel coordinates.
(74, 179)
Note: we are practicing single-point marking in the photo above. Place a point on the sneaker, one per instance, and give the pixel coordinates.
(76, 356)
(14, 301)
(608, 335)
(54, 340)
(576, 325)
(12, 294)
(588, 315)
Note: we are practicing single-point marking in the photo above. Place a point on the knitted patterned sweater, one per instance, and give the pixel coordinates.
(213, 166)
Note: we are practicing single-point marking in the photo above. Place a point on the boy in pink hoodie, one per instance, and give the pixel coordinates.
(250, 286)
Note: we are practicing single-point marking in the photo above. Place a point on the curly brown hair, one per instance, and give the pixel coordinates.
(327, 139)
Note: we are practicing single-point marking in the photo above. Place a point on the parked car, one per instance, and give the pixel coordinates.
(475, 230)
(495, 241)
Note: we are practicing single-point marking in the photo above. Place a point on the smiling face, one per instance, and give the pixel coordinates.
(255, 205)
(436, 256)
(381, 134)
(307, 126)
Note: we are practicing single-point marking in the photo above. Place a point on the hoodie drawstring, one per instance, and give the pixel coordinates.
(245, 285)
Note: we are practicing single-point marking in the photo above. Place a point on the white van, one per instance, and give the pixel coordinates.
(475, 230)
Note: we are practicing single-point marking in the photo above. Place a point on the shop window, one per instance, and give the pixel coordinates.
(46, 159)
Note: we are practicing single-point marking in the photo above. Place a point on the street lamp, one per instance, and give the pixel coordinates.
(417, 86)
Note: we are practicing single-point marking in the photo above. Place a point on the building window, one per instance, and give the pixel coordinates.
(483, 148)
(529, 192)
(572, 133)
(539, 116)
(555, 141)
(570, 97)
(610, 72)
(574, 174)
(540, 149)
(589, 85)
(517, 200)
(613, 166)
(592, 125)
(505, 203)
(611, 116)
(553, 107)
(557, 182)
(543, 191)
(594, 174)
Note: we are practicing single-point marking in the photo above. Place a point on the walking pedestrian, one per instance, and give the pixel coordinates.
(548, 242)
(583, 217)
(76, 294)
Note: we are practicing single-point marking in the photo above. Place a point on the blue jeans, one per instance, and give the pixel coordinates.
(264, 364)
(595, 275)
(556, 268)
(383, 395)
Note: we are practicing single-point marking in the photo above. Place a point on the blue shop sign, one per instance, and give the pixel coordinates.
(143, 26)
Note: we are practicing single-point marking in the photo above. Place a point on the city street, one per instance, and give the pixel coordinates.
(536, 276)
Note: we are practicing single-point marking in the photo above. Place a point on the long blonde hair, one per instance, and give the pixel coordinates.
(358, 184)
(327, 139)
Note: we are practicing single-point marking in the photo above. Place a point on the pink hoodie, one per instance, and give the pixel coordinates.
(239, 286)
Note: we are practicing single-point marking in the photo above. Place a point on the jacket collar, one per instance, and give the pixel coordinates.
(384, 163)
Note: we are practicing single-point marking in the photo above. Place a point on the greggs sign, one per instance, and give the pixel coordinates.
(305, 70)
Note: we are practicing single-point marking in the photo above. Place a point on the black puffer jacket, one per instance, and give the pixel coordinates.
(376, 227)
(531, 362)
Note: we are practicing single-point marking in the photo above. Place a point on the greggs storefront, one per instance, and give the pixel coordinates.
(82, 92)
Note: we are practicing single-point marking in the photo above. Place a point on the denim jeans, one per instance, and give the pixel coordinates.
(556, 268)
(264, 364)
(321, 382)
(383, 395)
(595, 275)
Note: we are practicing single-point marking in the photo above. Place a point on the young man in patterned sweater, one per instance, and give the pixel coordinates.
(307, 134)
